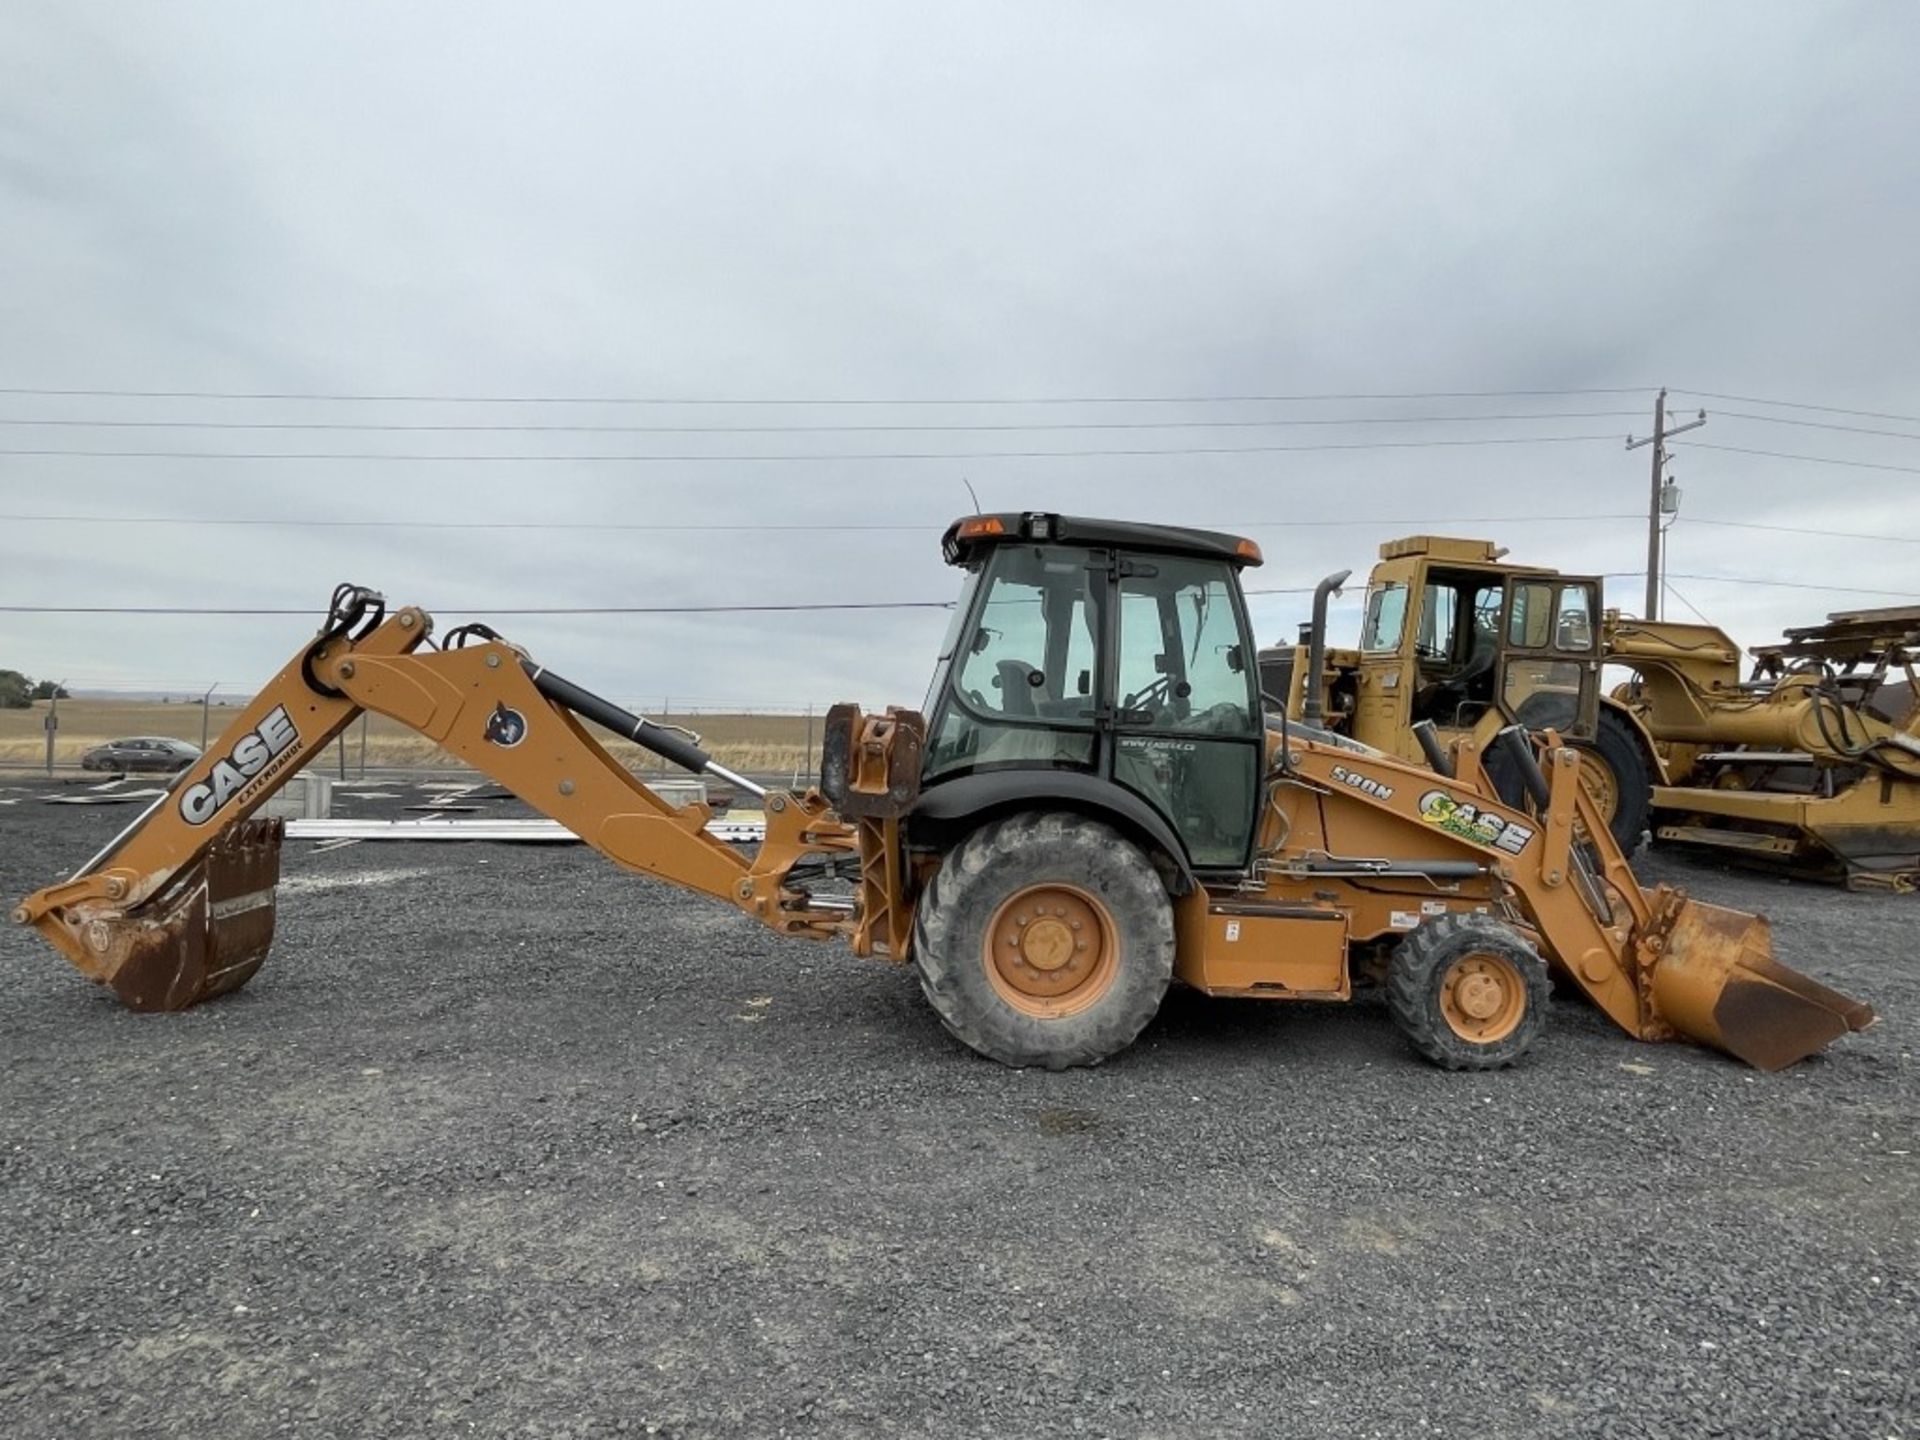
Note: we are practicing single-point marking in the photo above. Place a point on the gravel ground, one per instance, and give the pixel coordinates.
(503, 1142)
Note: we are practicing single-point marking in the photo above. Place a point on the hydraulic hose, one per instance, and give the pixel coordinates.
(1437, 759)
(1520, 750)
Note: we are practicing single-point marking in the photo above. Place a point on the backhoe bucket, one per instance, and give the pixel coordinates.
(205, 934)
(1716, 982)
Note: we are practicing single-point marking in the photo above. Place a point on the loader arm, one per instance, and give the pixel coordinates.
(179, 907)
(1658, 963)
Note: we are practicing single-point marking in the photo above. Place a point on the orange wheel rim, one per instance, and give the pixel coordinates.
(1051, 950)
(1597, 779)
(1483, 998)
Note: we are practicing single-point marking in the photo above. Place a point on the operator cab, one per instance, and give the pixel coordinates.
(1469, 636)
(1456, 641)
(1110, 650)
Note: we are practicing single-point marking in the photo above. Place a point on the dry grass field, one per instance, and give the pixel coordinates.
(769, 744)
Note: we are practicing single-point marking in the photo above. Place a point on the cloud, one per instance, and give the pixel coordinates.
(935, 203)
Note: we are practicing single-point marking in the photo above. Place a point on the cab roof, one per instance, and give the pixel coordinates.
(970, 537)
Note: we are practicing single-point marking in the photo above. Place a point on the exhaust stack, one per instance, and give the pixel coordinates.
(1311, 711)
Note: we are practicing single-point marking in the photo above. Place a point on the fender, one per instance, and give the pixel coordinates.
(976, 796)
(1649, 750)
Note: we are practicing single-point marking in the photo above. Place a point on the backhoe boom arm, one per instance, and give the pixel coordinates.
(195, 873)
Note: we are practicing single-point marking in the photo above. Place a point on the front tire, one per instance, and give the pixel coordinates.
(1045, 939)
(1468, 992)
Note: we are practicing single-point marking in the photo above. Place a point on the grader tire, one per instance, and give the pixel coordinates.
(1467, 992)
(1045, 939)
(1614, 769)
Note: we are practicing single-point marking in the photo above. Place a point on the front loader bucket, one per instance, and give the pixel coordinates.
(204, 934)
(1716, 982)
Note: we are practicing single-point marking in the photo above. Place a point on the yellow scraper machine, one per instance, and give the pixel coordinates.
(1810, 763)
(1095, 804)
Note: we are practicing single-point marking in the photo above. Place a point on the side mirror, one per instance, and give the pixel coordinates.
(1086, 682)
(1236, 662)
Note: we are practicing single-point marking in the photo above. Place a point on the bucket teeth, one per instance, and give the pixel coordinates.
(209, 931)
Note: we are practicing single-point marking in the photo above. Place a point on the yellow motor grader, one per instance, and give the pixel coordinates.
(1812, 762)
(1093, 806)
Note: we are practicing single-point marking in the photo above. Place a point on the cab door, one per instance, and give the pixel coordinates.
(1387, 672)
(1549, 667)
(1187, 733)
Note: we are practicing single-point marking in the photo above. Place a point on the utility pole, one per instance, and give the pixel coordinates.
(206, 702)
(52, 722)
(1658, 440)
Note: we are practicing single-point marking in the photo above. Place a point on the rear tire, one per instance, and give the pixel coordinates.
(1044, 939)
(1468, 992)
(1614, 761)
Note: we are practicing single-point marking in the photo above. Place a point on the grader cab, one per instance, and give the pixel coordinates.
(1094, 805)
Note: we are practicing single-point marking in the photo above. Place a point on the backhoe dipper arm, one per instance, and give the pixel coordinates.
(271, 740)
(179, 907)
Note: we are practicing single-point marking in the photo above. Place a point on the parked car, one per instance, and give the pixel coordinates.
(145, 752)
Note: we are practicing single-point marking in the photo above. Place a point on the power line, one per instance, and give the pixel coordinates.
(1814, 424)
(413, 399)
(304, 523)
(932, 526)
(1790, 585)
(1795, 405)
(1796, 530)
(948, 455)
(408, 427)
(308, 611)
(1688, 603)
(571, 525)
(1784, 455)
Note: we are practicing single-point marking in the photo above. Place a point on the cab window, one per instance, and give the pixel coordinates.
(1181, 663)
(1573, 629)
(1030, 653)
(1022, 664)
(1386, 615)
(1530, 618)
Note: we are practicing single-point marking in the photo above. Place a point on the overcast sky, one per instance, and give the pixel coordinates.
(928, 203)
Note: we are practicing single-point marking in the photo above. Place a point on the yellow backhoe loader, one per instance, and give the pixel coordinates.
(1093, 806)
(1812, 762)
